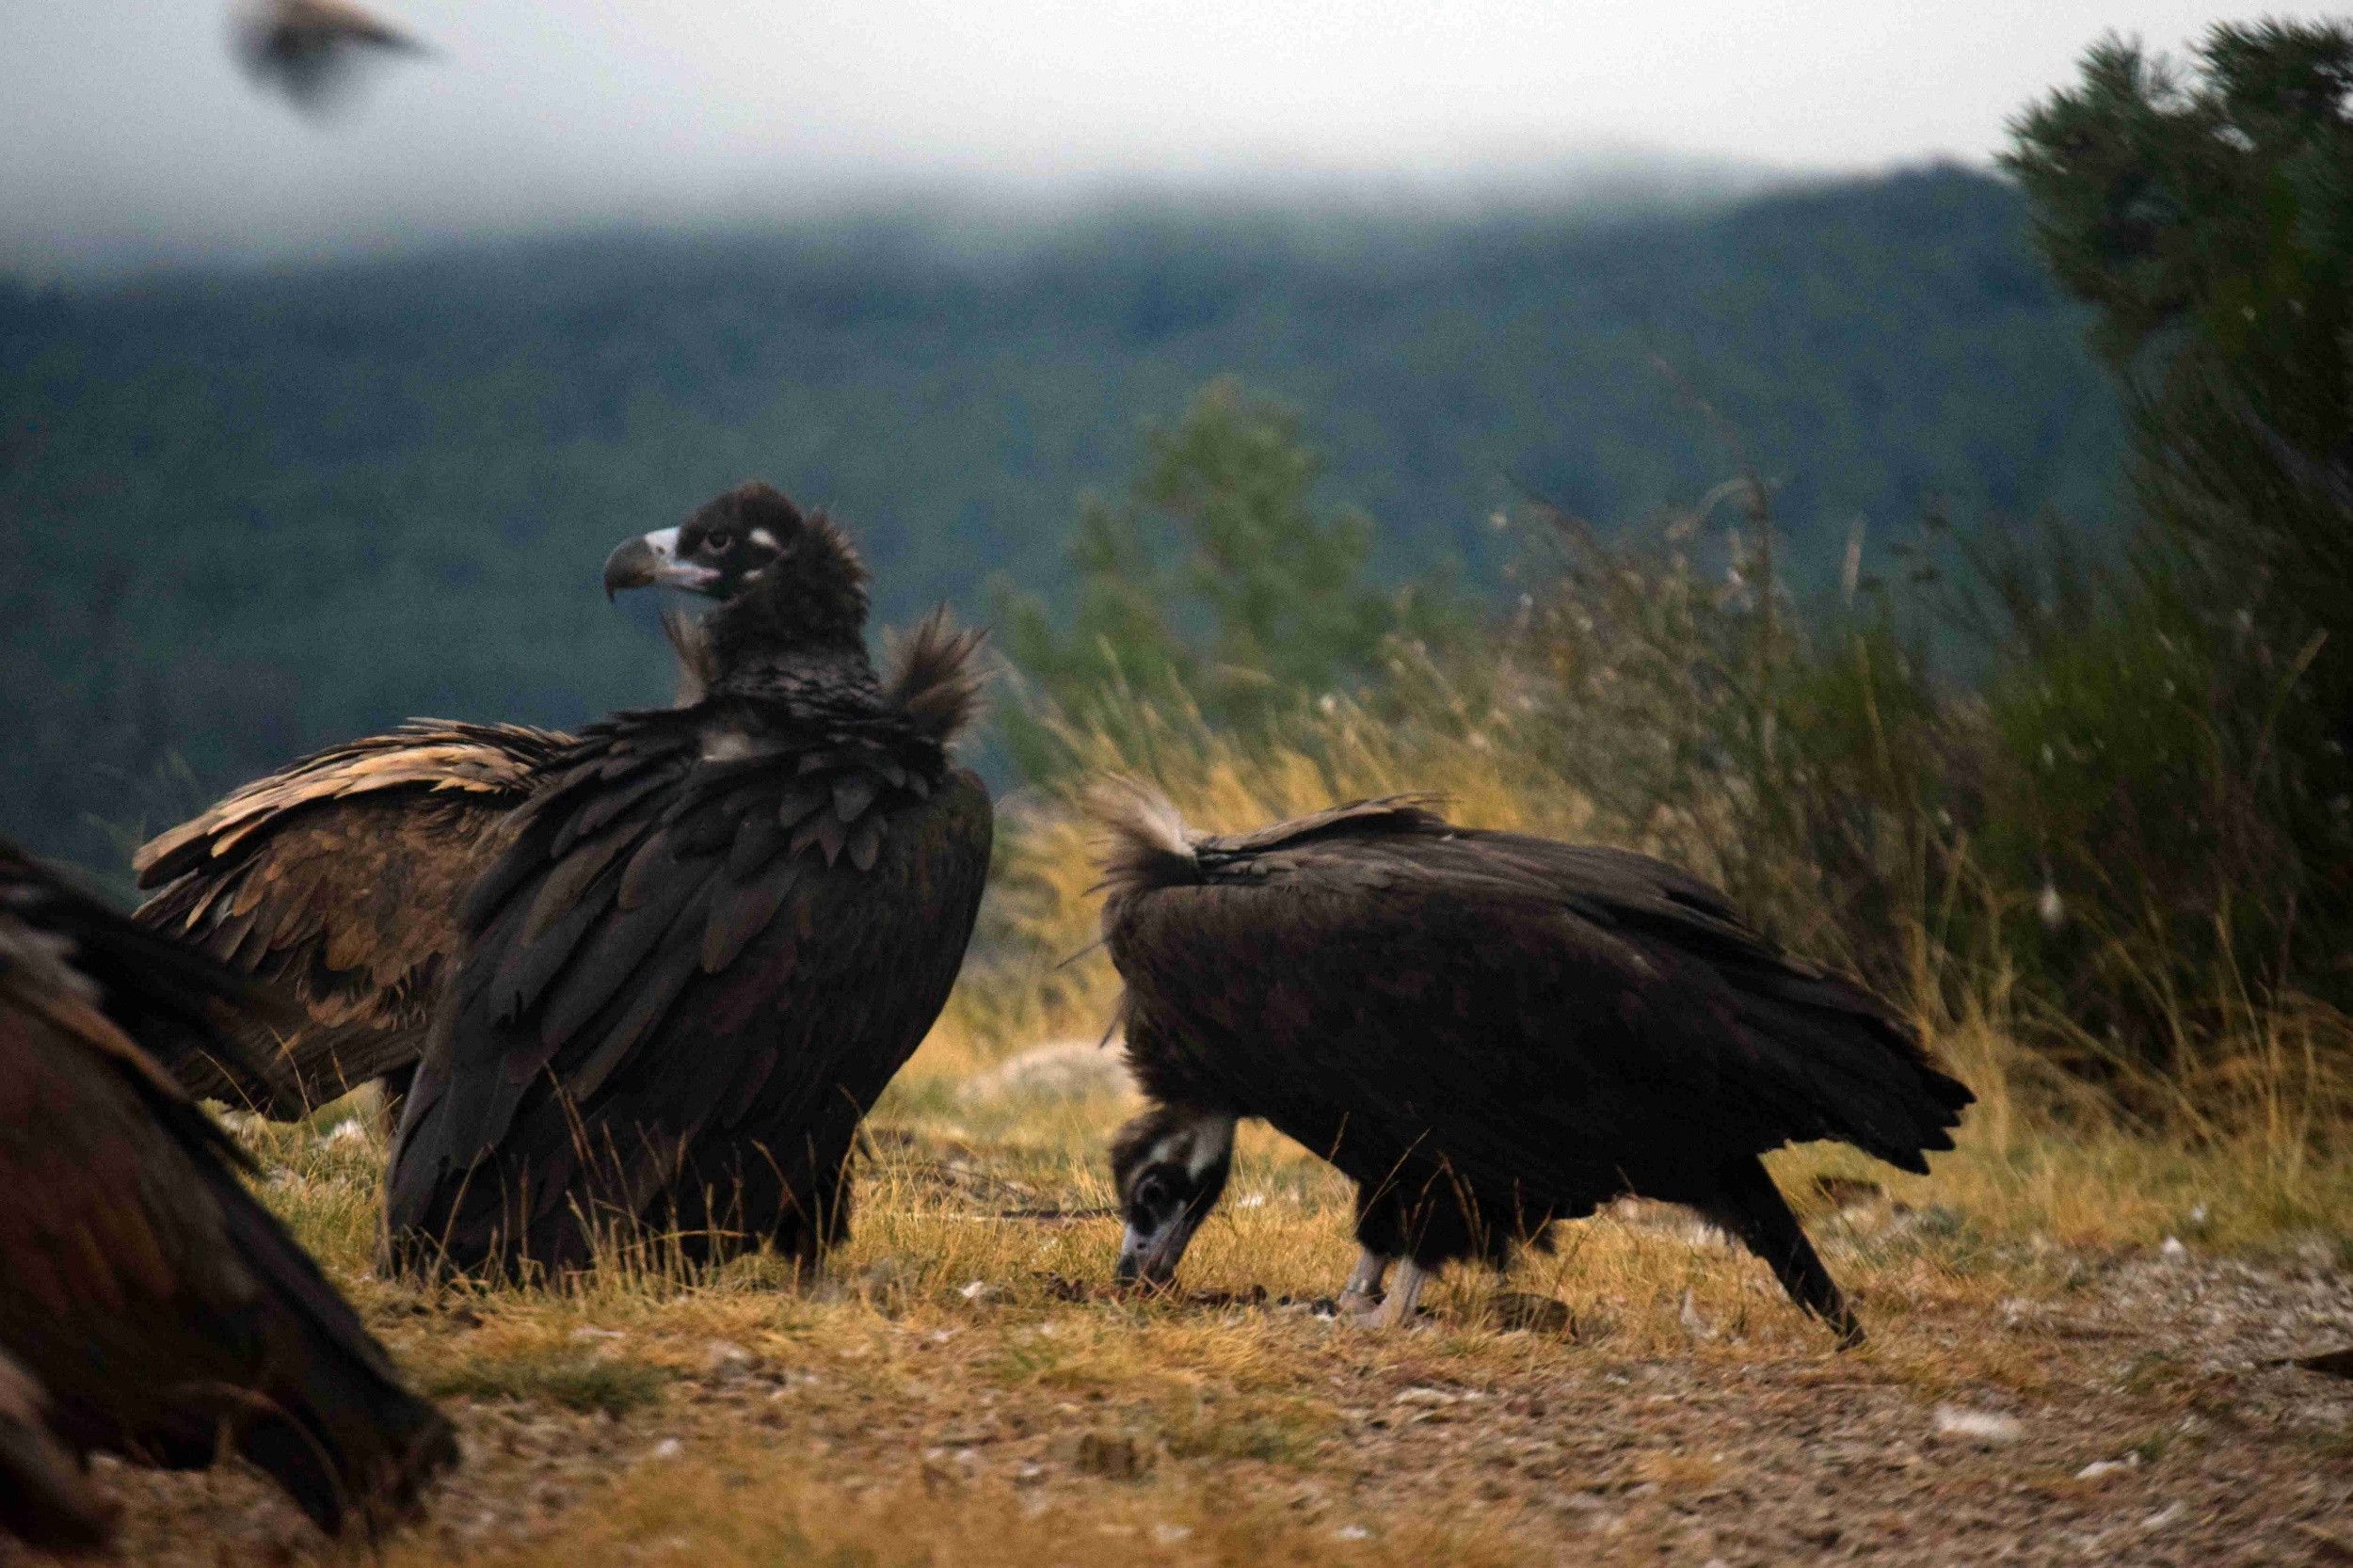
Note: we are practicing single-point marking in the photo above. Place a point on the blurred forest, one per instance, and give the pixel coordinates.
(248, 514)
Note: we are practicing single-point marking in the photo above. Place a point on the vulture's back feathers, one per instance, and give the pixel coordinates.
(155, 1299)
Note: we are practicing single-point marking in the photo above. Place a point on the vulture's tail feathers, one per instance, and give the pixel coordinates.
(1854, 1070)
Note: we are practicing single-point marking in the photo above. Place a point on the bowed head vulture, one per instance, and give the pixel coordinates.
(1487, 1031)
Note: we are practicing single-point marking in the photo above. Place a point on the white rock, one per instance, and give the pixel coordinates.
(2172, 1251)
(2100, 1468)
(347, 1131)
(1065, 1070)
(1424, 1397)
(2165, 1516)
(1989, 1427)
(1353, 1532)
(1251, 1200)
(977, 1290)
(669, 1447)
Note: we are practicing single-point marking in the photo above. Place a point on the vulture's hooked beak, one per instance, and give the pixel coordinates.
(653, 558)
(1151, 1256)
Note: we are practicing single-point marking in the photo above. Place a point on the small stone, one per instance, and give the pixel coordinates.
(2165, 1516)
(2101, 1468)
(2172, 1251)
(345, 1131)
(1989, 1427)
(1353, 1532)
(727, 1360)
(1251, 1200)
(669, 1447)
(1427, 1397)
(977, 1290)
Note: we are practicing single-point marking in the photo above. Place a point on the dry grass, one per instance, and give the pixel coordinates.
(963, 1387)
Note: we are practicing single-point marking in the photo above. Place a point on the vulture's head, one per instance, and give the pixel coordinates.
(782, 578)
(1170, 1166)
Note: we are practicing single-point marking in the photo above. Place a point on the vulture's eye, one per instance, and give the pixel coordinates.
(716, 541)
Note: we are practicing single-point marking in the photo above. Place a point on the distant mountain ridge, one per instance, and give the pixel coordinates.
(254, 512)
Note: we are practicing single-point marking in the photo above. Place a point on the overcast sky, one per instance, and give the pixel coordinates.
(129, 132)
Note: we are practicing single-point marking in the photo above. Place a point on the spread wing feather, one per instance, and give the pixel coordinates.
(339, 879)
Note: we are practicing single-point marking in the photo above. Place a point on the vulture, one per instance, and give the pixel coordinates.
(1486, 1031)
(338, 881)
(712, 937)
(309, 49)
(148, 1305)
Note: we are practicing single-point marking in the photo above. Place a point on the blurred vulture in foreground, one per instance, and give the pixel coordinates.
(1487, 1033)
(712, 940)
(158, 1309)
(310, 49)
(338, 880)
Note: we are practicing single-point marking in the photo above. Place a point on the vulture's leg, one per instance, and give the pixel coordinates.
(1361, 1293)
(391, 1092)
(1751, 1207)
(1397, 1308)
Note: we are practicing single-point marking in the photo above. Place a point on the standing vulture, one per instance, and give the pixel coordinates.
(713, 938)
(1486, 1031)
(158, 1309)
(338, 880)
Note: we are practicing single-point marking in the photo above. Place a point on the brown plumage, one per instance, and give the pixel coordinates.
(308, 49)
(338, 880)
(712, 940)
(1488, 1032)
(166, 1314)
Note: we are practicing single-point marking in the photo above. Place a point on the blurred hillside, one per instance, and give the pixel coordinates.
(250, 513)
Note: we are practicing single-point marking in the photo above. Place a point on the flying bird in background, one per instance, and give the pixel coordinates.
(161, 1311)
(712, 940)
(310, 49)
(1487, 1033)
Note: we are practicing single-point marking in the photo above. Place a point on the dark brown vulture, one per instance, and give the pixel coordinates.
(308, 49)
(1486, 1031)
(164, 1315)
(715, 936)
(338, 880)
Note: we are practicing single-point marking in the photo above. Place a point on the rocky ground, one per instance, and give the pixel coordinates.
(965, 1389)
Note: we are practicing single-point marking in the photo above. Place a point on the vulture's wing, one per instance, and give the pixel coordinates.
(677, 950)
(45, 1499)
(156, 1301)
(339, 880)
(1513, 999)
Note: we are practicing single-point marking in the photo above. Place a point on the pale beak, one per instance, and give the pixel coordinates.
(653, 558)
(1152, 1256)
